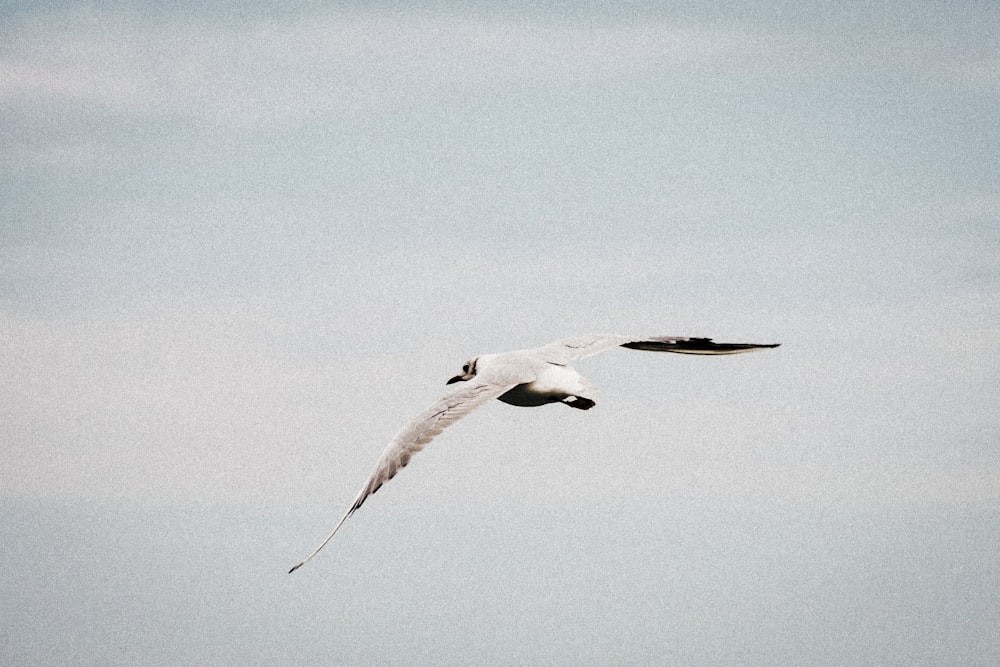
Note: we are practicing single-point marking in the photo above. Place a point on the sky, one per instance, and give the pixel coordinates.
(241, 245)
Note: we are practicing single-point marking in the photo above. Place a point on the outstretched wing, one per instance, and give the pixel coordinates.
(422, 429)
(695, 346)
(566, 350)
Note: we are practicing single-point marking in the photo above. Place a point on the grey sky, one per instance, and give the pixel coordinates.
(240, 247)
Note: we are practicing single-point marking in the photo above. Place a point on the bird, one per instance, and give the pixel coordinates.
(525, 378)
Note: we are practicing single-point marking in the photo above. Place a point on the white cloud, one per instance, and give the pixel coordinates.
(397, 265)
(350, 63)
(238, 253)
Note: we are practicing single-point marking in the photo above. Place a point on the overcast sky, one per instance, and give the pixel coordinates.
(241, 246)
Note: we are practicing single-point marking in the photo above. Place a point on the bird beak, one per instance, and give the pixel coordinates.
(457, 378)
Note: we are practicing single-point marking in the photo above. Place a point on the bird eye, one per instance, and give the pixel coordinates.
(465, 368)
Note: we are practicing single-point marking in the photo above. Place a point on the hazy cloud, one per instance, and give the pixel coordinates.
(241, 245)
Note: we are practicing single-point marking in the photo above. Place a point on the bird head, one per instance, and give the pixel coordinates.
(468, 372)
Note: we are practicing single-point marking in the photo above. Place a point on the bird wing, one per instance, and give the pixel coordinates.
(566, 350)
(414, 436)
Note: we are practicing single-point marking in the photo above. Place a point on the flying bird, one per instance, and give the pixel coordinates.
(526, 378)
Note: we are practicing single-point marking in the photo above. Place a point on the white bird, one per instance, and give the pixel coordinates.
(526, 378)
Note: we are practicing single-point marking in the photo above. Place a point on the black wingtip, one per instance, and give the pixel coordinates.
(295, 568)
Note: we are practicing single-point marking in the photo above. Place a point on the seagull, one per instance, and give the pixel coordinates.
(526, 378)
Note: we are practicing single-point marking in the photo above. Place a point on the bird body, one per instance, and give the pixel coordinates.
(525, 378)
(549, 382)
(552, 384)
